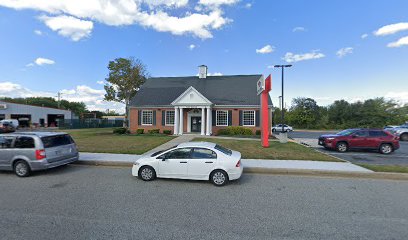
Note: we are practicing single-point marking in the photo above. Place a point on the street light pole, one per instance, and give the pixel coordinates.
(283, 101)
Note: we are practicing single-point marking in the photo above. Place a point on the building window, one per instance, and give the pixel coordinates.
(248, 118)
(169, 118)
(147, 117)
(222, 118)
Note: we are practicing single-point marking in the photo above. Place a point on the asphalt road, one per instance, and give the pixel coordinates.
(399, 157)
(82, 202)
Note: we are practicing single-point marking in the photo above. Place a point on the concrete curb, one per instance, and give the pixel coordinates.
(321, 173)
(280, 171)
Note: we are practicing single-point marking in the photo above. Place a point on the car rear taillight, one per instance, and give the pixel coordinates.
(238, 163)
(39, 154)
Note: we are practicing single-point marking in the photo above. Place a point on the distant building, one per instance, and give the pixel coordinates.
(114, 117)
(197, 104)
(28, 115)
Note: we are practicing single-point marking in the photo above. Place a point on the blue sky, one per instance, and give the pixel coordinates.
(65, 45)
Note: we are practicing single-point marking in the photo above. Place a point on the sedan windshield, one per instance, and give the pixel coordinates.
(346, 132)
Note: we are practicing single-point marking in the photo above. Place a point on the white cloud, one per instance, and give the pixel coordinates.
(42, 61)
(401, 42)
(264, 50)
(93, 98)
(344, 51)
(68, 26)
(248, 5)
(217, 2)
(291, 57)
(30, 65)
(38, 32)
(401, 97)
(100, 82)
(215, 74)
(299, 29)
(391, 29)
(192, 46)
(74, 18)
(364, 36)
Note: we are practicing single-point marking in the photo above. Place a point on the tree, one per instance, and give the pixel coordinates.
(126, 75)
(304, 113)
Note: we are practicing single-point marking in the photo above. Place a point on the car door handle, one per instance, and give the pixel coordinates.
(209, 162)
(183, 162)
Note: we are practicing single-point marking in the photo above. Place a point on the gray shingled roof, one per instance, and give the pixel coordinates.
(220, 90)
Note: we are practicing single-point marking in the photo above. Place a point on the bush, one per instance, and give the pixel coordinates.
(140, 131)
(154, 131)
(235, 131)
(167, 132)
(258, 132)
(120, 130)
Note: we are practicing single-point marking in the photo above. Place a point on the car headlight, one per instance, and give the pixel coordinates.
(330, 138)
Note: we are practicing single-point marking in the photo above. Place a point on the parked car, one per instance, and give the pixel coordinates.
(29, 151)
(13, 122)
(376, 139)
(401, 132)
(278, 128)
(192, 160)
(390, 127)
(6, 127)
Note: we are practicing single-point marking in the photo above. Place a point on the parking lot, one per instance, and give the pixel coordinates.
(399, 157)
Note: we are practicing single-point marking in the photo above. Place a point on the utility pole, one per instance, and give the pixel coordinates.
(283, 100)
(59, 99)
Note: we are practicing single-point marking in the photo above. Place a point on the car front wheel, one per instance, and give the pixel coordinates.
(22, 169)
(404, 137)
(386, 148)
(342, 147)
(147, 173)
(219, 178)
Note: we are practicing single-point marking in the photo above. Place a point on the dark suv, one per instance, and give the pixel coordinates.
(374, 139)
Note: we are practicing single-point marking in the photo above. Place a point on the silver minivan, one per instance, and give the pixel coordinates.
(24, 152)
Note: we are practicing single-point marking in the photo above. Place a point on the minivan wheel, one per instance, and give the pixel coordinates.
(404, 137)
(219, 178)
(147, 173)
(386, 148)
(22, 169)
(342, 147)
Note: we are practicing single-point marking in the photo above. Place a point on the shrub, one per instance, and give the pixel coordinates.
(121, 130)
(140, 131)
(153, 131)
(167, 132)
(235, 131)
(258, 132)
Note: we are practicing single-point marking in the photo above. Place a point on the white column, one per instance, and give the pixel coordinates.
(209, 123)
(203, 126)
(176, 120)
(181, 122)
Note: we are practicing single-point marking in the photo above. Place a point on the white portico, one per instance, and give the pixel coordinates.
(193, 107)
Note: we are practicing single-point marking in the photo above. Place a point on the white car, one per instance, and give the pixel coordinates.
(278, 128)
(191, 160)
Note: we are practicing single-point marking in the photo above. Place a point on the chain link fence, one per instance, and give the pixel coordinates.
(89, 123)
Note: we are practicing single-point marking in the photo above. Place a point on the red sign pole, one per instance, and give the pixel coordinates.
(265, 113)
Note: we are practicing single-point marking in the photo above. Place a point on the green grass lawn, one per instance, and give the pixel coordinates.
(253, 150)
(386, 168)
(102, 140)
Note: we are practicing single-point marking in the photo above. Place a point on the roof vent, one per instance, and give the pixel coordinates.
(202, 71)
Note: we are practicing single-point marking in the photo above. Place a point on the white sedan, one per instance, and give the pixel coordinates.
(278, 128)
(191, 160)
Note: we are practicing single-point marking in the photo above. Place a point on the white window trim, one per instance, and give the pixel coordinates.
(216, 118)
(141, 120)
(165, 117)
(243, 122)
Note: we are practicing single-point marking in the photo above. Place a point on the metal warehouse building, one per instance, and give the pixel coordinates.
(28, 115)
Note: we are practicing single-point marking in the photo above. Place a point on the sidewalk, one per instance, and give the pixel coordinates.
(253, 164)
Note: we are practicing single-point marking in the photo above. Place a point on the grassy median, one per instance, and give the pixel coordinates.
(386, 168)
(102, 140)
(251, 149)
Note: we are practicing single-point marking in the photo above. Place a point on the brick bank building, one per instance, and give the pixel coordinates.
(197, 104)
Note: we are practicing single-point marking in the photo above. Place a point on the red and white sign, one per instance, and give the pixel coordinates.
(267, 86)
(260, 85)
